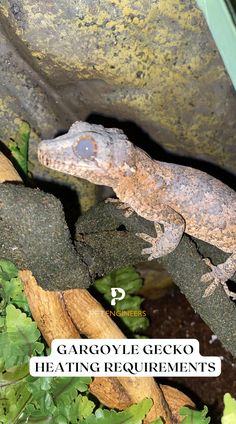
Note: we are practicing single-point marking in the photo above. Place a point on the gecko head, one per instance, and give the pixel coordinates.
(100, 155)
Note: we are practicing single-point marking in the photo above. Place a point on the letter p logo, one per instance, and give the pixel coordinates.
(114, 293)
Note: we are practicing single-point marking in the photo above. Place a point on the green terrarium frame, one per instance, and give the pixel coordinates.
(221, 19)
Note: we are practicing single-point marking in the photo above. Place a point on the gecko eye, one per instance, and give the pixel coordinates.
(85, 148)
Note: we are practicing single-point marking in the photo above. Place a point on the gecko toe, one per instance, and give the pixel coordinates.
(125, 207)
(111, 200)
(206, 278)
(122, 206)
(214, 279)
(151, 251)
(129, 212)
(211, 288)
(208, 262)
(146, 238)
(148, 251)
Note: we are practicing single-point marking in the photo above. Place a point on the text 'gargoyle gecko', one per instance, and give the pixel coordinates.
(176, 198)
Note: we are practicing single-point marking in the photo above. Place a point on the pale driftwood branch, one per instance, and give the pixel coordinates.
(48, 311)
(7, 171)
(76, 311)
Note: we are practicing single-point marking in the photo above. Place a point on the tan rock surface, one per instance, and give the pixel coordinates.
(151, 62)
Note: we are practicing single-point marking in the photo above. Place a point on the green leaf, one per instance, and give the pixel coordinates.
(14, 375)
(57, 400)
(83, 407)
(7, 270)
(66, 389)
(194, 417)
(19, 340)
(132, 415)
(159, 421)
(42, 406)
(38, 386)
(12, 402)
(19, 147)
(11, 288)
(13, 292)
(229, 416)
(128, 279)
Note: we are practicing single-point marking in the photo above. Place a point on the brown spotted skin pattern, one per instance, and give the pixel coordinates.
(176, 198)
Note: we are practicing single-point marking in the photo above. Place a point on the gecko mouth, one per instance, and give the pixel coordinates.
(47, 158)
(43, 157)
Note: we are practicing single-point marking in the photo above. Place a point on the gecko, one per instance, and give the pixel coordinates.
(174, 197)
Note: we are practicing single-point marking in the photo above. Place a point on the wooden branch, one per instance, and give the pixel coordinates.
(48, 310)
(7, 170)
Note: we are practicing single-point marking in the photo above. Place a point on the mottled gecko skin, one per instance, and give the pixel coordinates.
(176, 198)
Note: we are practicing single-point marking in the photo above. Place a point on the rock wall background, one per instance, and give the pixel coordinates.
(152, 62)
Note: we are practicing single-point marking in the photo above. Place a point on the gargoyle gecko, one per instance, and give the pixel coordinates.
(176, 198)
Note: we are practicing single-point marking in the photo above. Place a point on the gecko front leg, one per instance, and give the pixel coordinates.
(169, 226)
(121, 205)
(219, 274)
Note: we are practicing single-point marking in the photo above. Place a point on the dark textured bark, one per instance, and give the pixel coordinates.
(33, 234)
(108, 241)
